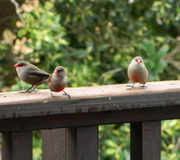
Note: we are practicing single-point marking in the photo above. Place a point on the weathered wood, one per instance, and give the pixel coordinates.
(88, 119)
(71, 143)
(89, 99)
(87, 143)
(145, 140)
(22, 145)
(59, 144)
(17, 146)
(6, 146)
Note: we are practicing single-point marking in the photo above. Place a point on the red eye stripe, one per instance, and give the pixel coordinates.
(138, 60)
(19, 65)
(58, 71)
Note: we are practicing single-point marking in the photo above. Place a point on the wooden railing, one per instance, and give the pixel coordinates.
(70, 126)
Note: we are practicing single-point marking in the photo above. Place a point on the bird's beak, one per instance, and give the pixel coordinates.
(56, 71)
(16, 65)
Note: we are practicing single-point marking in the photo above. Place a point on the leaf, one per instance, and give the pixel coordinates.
(150, 46)
(80, 53)
(163, 50)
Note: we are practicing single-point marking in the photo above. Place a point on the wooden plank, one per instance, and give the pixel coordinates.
(22, 145)
(87, 143)
(101, 104)
(89, 99)
(89, 92)
(146, 140)
(89, 119)
(59, 144)
(6, 146)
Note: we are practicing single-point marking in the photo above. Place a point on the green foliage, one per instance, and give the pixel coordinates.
(171, 140)
(37, 145)
(45, 35)
(154, 63)
(114, 142)
(95, 41)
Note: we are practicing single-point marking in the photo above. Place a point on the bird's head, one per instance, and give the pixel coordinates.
(59, 70)
(138, 60)
(20, 64)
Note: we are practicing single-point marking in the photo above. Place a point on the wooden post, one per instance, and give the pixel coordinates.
(17, 146)
(145, 140)
(6, 146)
(59, 144)
(87, 143)
(70, 143)
(22, 145)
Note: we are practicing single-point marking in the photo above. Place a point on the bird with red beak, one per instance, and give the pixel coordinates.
(137, 71)
(31, 74)
(58, 80)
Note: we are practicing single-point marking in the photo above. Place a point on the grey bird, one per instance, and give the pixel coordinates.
(137, 71)
(31, 74)
(58, 80)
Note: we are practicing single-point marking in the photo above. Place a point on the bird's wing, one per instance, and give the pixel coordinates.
(49, 79)
(38, 75)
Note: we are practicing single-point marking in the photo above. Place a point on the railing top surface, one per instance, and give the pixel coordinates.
(89, 99)
(108, 91)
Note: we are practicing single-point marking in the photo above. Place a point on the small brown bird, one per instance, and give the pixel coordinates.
(137, 71)
(58, 80)
(31, 75)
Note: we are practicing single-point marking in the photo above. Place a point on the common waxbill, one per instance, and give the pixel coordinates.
(137, 71)
(58, 80)
(31, 75)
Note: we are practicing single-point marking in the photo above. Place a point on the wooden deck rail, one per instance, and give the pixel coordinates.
(74, 122)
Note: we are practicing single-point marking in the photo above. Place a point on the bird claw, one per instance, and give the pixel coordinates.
(66, 94)
(130, 86)
(23, 92)
(143, 86)
(63, 94)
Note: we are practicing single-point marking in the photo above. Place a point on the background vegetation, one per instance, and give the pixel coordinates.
(95, 40)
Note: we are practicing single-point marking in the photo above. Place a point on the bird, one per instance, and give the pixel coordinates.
(58, 80)
(137, 71)
(31, 74)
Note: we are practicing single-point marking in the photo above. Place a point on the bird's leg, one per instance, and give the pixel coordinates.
(131, 86)
(33, 89)
(28, 90)
(52, 94)
(143, 86)
(66, 94)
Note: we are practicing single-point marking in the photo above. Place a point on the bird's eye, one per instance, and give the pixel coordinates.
(138, 60)
(58, 71)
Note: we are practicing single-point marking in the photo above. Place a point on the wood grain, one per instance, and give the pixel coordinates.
(146, 140)
(89, 106)
(89, 99)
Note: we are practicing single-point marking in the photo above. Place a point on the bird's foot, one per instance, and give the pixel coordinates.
(130, 86)
(66, 94)
(143, 86)
(23, 92)
(33, 90)
(52, 94)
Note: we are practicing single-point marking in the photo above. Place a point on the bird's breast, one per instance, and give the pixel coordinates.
(135, 78)
(61, 88)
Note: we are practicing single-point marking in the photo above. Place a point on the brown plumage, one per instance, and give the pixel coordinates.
(137, 71)
(58, 80)
(31, 74)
